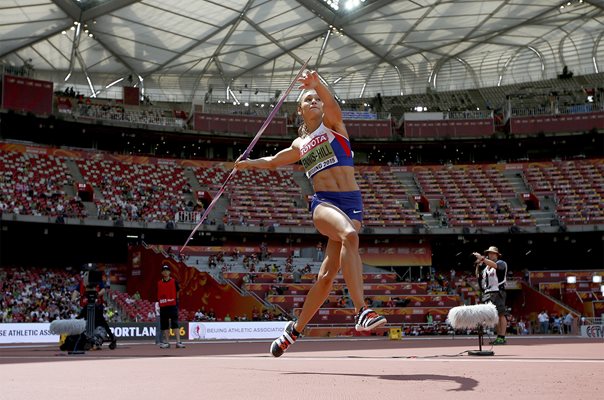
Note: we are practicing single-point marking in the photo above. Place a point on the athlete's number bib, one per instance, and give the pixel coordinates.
(317, 155)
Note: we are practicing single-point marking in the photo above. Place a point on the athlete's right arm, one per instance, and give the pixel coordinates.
(284, 157)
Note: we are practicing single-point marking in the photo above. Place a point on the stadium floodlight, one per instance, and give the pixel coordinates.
(236, 102)
(571, 279)
(91, 87)
(334, 4)
(114, 83)
(596, 279)
(362, 90)
(352, 4)
(349, 5)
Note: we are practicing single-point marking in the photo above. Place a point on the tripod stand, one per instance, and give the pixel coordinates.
(480, 351)
(83, 342)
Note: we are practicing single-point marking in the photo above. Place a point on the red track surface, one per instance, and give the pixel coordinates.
(535, 368)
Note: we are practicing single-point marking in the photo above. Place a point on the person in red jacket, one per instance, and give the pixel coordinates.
(167, 296)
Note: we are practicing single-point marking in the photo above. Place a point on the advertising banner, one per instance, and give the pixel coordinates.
(27, 333)
(235, 330)
(592, 331)
(134, 330)
(24, 94)
(38, 332)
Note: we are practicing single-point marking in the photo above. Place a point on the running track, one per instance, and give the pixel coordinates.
(566, 368)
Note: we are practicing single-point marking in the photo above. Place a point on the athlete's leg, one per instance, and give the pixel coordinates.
(320, 290)
(333, 223)
(315, 298)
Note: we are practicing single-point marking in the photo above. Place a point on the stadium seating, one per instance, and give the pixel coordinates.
(478, 196)
(118, 112)
(260, 197)
(384, 200)
(135, 192)
(142, 310)
(396, 316)
(577, 186)
(402, 302)
(270, 277)
(33, 184)
(37, 294)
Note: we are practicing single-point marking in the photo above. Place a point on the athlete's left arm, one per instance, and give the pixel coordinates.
(332, 113)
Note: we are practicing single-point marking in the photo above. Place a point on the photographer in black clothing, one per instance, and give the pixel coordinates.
(92, 289)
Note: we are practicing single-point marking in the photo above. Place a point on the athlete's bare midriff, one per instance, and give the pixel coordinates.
(336, 179)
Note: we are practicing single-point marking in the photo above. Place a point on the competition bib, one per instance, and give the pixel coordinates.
(317, 155)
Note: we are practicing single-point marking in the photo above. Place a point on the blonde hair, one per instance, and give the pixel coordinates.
(302, 130)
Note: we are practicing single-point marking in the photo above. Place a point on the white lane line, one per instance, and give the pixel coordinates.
(297, 359)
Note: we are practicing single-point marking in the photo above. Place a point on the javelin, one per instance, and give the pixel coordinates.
(247, 152)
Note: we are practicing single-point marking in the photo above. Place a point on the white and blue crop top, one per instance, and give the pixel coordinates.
(324, 148)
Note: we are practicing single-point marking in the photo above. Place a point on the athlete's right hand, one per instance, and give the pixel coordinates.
(309, 80)
(243, 164)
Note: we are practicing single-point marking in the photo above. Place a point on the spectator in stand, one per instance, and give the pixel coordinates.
(297, 275)
(521, 327)
(543, 319)
(319, 251)
(557, 325)
(263, 255)
(527, 275)
(167, 294)
(199, 315)
(568, 323)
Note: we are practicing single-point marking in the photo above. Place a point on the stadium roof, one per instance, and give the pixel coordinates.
(182, 48)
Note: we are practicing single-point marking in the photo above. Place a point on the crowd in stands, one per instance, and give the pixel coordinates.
(258, 262)
(201, 315)
(479, 196)
(43, 295)
(136, 192)
(38, 295)
(33, 184)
